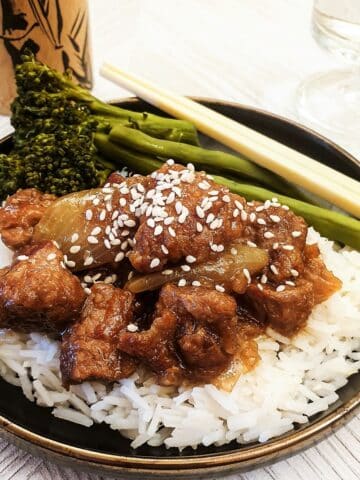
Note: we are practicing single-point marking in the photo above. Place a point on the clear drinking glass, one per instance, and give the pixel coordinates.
(330, 100)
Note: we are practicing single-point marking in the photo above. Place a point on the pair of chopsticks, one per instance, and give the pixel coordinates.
(294, 166)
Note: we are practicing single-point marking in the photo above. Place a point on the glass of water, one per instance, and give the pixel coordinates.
(331, 100)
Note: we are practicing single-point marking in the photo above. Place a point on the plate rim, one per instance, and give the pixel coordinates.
(201, 464)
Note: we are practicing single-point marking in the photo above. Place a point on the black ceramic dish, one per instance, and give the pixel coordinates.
(101, 449)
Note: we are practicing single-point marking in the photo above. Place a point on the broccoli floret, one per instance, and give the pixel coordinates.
(55, 122)
(53, 140)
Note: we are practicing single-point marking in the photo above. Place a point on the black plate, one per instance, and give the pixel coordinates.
(99, 447)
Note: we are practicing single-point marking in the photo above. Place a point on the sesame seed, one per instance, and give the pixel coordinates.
(88, 214)
(239, 205)
(199, 227)
(122, 202)
(261, 221)
(150, 222)
(102, 215)
(123, 245)
(130, 223)
(243, 215)
(164, 249)
(290, 283)
(275, 218)
(74, 237)
(168, 220)
(87, 290)
(70, 263)
(226, 198)
(167, 272)
(285, 207)
(200, 212)
(280, 288)
(247, 275)
(288, 247)
(155, 262)
(93, 240)
(252, 217)
(63, 265)
(274, 270)
(182, 217)
(75, 249)
(220, 248)
(294, 272)
(96, 201)
(22, 257)
(251, 204)
(213, 247)
(158, 230)
(115, 214)
(185, 268)
(190, 259)
(260, 208)
(260, 287)
(275, 245)
(132, 328)
(233, 251)
(178, 207)
(196, 283)
(219, 288)
(263, 278)
(182, 282)
(108, 279)
(251, 244)
(50, 257)
(115, 241)
(275, 199)
(269, 235)
(295, 234)
(124, 190)
(170, 162)
(107, 244)
(172, 232)
(96, 231)
(88, 261)
(125, 233)
(236, 212)
(210, 218)
(119, 257)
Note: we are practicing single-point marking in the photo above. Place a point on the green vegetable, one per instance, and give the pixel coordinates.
(213, 161)
(55, 122)
(135, 161)
(44, 93)
(329, 223)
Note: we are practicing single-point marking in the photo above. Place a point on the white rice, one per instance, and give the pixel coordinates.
(294, 380)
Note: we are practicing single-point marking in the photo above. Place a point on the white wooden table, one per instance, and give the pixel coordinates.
(250, 51)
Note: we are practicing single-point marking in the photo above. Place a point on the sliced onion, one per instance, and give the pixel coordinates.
(227, 270)
(65, 222)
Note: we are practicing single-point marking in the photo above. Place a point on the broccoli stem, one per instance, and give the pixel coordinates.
(162, 127)
(214, 161)
(135, 161)
(333, 225)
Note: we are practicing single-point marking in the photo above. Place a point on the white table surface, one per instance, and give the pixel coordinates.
(251, 51)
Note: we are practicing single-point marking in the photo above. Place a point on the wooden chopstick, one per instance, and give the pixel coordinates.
(286, 162)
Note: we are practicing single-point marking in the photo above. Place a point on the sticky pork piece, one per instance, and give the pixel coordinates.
(89, 348)
(193, 335)
(186, 217)
(38, 293)
(281, 233)
(19, 215)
